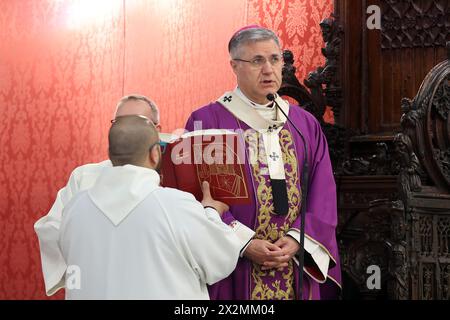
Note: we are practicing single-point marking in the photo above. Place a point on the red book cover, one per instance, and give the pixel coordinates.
(206, 155)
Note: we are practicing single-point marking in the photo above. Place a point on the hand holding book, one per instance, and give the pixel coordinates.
(208, 200)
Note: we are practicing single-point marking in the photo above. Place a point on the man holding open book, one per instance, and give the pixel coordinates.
(275, 156)
(126, 237)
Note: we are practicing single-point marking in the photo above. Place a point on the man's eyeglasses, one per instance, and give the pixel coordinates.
(259, 62)
(162, 144)
(134, 115)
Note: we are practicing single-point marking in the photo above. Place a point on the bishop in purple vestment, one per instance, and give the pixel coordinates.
(274, 156)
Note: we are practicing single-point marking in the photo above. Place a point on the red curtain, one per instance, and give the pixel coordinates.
(64, 65)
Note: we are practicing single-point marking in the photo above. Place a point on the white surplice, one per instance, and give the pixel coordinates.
(137, 240)
(132, 239)
(47, 227)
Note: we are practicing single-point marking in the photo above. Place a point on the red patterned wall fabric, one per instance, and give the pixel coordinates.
(179, 56)
(64, 65)
(61, 73)
(296, 22)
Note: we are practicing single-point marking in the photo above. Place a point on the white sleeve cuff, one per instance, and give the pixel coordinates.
(241, 254)
(52, 260)
(244, 233)
(318, 254)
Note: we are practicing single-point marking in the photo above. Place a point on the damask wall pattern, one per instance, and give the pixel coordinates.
(296, 22)
(65, 63)
(181, 61)
(59, 79)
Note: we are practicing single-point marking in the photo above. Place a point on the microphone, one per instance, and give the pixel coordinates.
(304, 186)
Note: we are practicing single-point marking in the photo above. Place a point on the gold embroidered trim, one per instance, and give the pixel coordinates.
(267, 229)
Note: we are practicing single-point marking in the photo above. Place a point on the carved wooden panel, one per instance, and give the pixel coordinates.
(430, 249)
(423, 183)
(426, 121)
(415, 23)
(398, 57)
(376, 75)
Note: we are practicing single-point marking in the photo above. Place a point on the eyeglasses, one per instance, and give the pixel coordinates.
(162, 144)
(259, 62)
(134, 115)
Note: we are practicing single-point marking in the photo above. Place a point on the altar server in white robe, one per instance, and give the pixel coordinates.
(81, 178)
(129, 238)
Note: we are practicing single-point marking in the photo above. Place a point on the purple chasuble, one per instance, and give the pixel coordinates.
(248, 281)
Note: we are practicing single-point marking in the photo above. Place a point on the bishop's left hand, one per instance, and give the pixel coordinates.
(289, 246)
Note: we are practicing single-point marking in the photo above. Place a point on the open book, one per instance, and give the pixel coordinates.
(212, 155)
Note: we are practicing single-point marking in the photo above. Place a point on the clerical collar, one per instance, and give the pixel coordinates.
(241, 95)
(252, 116)
(267, 111)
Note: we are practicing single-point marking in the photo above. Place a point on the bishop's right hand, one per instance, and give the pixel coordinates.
(266, 254)
(208, 200)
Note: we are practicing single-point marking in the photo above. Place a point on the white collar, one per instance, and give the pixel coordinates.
(118, 190)
(269, 105)
(241, 109)
(233, 102)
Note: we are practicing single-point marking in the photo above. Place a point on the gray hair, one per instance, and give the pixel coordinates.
(138, 97)
(250, 35)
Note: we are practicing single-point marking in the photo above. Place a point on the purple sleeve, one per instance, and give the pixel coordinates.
(190, 123)
(321, 209)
